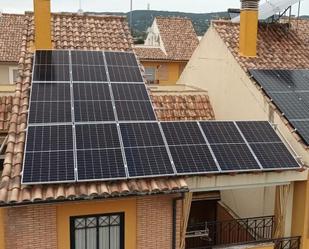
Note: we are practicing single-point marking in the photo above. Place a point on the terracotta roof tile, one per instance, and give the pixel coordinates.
(278, 46)
(5, 112)
(102, 33)
(11, 29)
(150, 53)
(178, 37)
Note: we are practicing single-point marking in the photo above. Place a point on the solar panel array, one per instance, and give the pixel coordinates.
(289, 90)
(99, 124)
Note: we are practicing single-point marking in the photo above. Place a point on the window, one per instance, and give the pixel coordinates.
(150, 74)
(13, 74)
(98, 232)
(3, 143)
(163, 72)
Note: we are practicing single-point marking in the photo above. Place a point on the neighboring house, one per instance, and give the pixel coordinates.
(11, 26)
(168, 47)
(217, 66)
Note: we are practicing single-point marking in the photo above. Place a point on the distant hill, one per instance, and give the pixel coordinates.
(142, 19)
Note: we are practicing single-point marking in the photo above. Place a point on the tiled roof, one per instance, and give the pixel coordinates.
(6, 103)
(301, 26)
(11, 28)
(178, 37)
(278, 46)
(150, 53)
(73, 32)
(182, 105)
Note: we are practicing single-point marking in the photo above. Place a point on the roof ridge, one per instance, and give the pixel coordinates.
(74, 14)
(11, 14)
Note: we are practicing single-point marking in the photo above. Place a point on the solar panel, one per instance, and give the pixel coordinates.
(130, 92)
(281, 80)
(291, 105)
(145, 151)
(49, 155)
(124, 74)
(274, 156)
(52, 57)
(221, 132)
(51, 73)
(105, 164)
(89, 73)
(234, 157)
(51, 92)
(193, 159)
(96, 136)
(99, 155)
(120, 59)
(141, 134)
(134, 110)
(50, 112)
(93, 91)
(148, 161)
(87, 58)
(93, 111)
(182, 133)
(302, 128)
(258, 131)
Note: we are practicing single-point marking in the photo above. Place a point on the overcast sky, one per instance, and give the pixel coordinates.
(197, 6)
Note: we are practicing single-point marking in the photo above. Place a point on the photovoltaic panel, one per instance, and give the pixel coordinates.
(51, 57)
(120, 59)
(89, 73)
(234, 157)
(51, 92)
(145, 151)
(48, 167)
(130, 92)
(182, 133)
(141, 134)
(274, 156)
(124, 74)
(221, 132)
(99, 155)
(193, 159)
(282, 80)
(302, 127)
(134, 110)
(50, 138)
(91, 91)
(96, 136)
(87, 58)
(148, 161)
(50, 112)
(49, 155)
(93, 111)
(291, 105)
(105, 164)
(51, 73)
(258, 131)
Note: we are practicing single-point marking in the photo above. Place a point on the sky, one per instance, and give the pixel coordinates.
(196, 6)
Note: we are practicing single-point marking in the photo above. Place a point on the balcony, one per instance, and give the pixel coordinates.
(224, 234)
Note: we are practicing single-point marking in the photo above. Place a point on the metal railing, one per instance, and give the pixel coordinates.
(208, 234)
(287, 243)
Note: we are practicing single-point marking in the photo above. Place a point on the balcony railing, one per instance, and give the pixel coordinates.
(207, 235)
(229, 232)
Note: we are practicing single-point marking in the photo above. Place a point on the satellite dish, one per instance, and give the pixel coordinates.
(271, 8)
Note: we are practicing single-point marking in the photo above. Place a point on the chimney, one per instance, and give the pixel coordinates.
(248, 27)
(42, 21)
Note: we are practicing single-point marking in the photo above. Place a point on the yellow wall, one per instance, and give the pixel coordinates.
(65, 211)
(174, 70)
(300, 212)
(2, 241)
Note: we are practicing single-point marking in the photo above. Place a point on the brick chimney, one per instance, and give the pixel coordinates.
(42, 21)
(248, 27)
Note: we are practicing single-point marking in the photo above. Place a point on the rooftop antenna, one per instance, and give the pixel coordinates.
(148, 6)
(80, 10)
